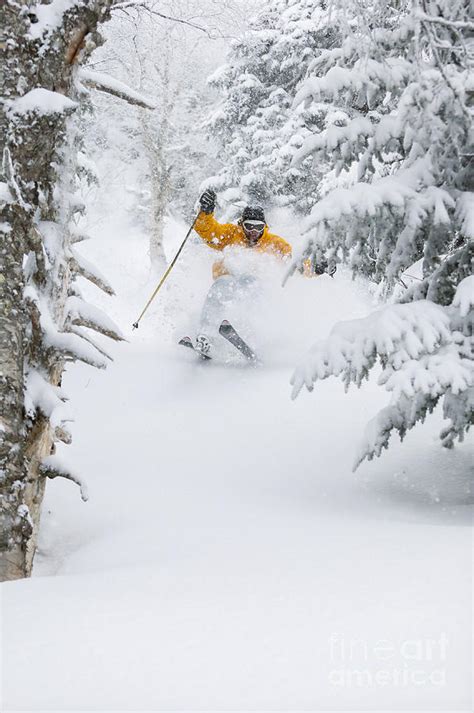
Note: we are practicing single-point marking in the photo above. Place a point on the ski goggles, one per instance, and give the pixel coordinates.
(257, 225)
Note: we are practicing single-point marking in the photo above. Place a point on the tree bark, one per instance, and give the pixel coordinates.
(34, 136)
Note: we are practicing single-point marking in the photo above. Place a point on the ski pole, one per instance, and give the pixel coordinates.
(167, 272)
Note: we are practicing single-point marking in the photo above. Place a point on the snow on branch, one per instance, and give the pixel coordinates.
(450, 24)
(364, 199)
(406, 196)
(425, 352)
(349, 139)
(366, 75)
(465, 213)
(88, 271)
(62, 345)
(104, 83)
(43, 102)
(82, 314)
(71, 329)
(464, 297)
(53, 467)
(41, 395)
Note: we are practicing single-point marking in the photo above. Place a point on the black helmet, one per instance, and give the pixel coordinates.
(253, 212)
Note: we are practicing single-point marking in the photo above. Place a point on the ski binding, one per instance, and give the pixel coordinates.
(187, 342)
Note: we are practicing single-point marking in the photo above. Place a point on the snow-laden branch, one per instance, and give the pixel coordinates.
(105, 83)
(53, 467)
(78, 332)
(350, 139)
(450, 24)
(425, 351)
(464, 297)
(366, 75)
(61, 345)
(43, 102)
(365, 199)
(82, 314)
(465, 213)
(407, 194)
(41, 395)
(79, 265)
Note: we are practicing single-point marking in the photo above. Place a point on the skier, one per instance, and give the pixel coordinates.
(251, 232)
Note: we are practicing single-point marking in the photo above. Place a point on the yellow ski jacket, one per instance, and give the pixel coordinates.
(219, 235)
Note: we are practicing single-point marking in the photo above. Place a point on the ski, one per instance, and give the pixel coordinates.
(232, 336)
(187, 342)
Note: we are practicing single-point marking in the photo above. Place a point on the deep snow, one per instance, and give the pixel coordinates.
(228, 558)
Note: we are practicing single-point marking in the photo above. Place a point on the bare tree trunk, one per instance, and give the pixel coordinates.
(156, 133)
(160, 186)
(38, 84)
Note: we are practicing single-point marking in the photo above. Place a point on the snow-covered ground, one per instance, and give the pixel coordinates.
(228, 558)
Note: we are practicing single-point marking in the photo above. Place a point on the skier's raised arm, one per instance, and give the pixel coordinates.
(216, 235)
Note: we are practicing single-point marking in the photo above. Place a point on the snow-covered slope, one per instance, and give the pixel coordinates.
(228, 559)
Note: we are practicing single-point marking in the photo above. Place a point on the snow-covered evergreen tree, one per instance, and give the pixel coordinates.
(403, 80)
(258, 131)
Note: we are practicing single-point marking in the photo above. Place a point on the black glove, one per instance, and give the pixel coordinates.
(208, 201)
(321, 265)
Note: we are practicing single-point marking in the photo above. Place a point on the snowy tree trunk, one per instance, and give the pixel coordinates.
(42, 49)
(156, 135)
(160, 185)
(159, 172)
